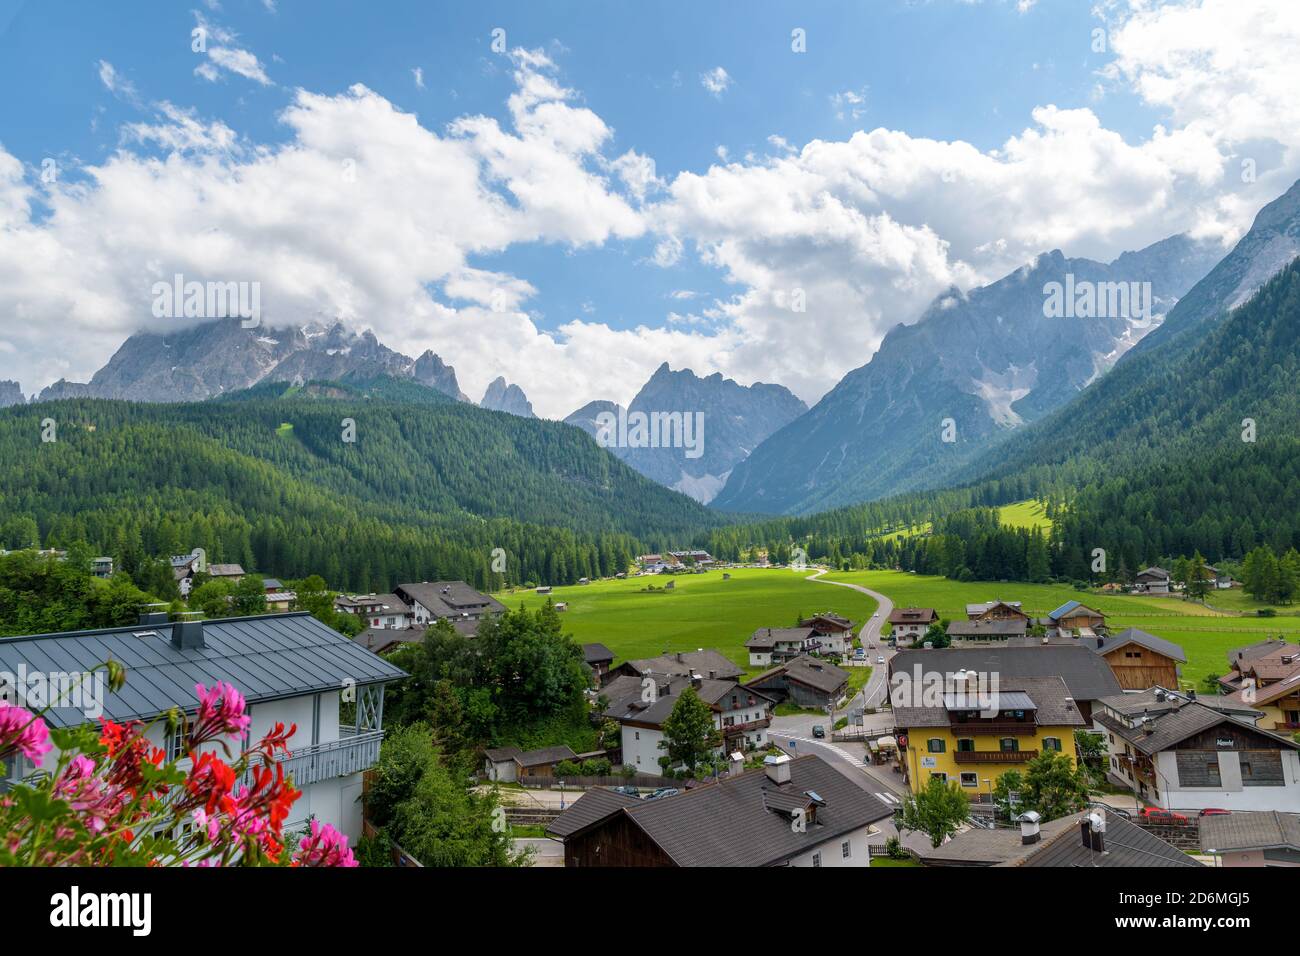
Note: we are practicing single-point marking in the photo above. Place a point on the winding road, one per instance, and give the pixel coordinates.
(873, 694)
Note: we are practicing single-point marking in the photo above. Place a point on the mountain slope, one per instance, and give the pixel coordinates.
(1148, 399)
(727, 421)
(268, 478)
(990, 360)
(213, 358)
(503, 397)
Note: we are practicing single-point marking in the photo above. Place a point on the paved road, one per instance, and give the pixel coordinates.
(873, 694)
(546, 852)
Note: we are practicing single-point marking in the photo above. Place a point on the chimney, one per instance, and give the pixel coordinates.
(1092, 830)
(736, 765)
(1191, 694)
(1101, 641)
(777, 768)
(150, 614)
(1029, 832)
(187, 635)
(679, 657)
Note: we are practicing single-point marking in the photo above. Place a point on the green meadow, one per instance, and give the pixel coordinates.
(1206, 634)
(702, 610)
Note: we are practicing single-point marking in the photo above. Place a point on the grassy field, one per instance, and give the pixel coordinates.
(1025, 514)
(701, 611)
(1205, 633)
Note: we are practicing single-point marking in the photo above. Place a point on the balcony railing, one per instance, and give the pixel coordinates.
(980, 729)
(351, 753)
(994, 756)
(730, 729)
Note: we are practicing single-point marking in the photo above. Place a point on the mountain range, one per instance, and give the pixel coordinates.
(728, 421)
(975, 367)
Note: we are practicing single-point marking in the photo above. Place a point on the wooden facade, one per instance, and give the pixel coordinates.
(1137, 667)
(615, 841)
(1082, 617)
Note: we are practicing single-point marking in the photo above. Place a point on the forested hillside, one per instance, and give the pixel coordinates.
(428, 489)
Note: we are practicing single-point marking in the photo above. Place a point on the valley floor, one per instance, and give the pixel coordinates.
(703, 610)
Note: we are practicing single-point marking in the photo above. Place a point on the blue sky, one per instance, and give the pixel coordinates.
(968, 73)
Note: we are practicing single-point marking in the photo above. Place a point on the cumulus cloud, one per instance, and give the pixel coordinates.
(364, 214)
(715, 81)
(218, 44)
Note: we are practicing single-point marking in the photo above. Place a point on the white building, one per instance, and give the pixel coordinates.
(1186, 756)
(641, 704)
(291, 669)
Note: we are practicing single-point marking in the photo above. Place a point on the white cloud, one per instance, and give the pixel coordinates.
(223, 54)
(715, 81)
(850, 105)
(115, 83)
(417, 73)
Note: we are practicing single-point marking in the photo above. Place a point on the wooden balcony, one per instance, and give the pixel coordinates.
(978, 728)
(732, 729)
(994, 756)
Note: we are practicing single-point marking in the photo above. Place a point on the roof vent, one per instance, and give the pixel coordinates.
(187, 633)
(1029, 831)
(777, 768)
(1092, 829)
(151, 614)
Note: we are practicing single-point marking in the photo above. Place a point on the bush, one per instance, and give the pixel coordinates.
(894, 849)
(598, 767)
(568, 768)
(375, 851)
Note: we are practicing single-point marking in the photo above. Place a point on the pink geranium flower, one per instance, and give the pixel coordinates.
(23, 732)
(221, 712)
(324, 846)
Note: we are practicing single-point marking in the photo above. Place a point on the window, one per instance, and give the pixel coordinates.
(966, 745)
(174, 741)
(1010, 745)
(938, 775)
(637, 733)
(1052, 743)
(846, 850)
(817, 860)
(935, 745)
(970, 780)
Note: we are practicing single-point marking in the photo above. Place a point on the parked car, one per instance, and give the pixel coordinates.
(1156, 815)
(819, 731)
(880, 659)
(1213, 812)
(630, 791)
(663, 792)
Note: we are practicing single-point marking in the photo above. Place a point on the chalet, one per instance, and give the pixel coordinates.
(1180, 754)
(1140, 660)
(704, 662)
(291, 669)
(1259, 838)
(1097, 837)
(1151, 580)
(996, 611)
(381, 640)
(907, 624)
(280, 600)
(641, 704)
(1075, 618)
(227, 572)
(101, 567)
(655, 563)
(833, 632)
(774, 645)
(599, 658)
(695, 557)
(1270, 683)
(432, 601)
(790, 812)
(975, 731)
(509, 764)
(805, 682)
(1261, 663)
(377, 610)
(544, 589)
(1085, 674)
(185, 567)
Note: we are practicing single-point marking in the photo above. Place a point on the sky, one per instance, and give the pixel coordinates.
(570, 194)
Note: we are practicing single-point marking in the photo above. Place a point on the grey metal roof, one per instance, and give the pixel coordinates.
(1086, 675)
(1004, 627)
(1126, 844)
(1250, 830)
(592, 807)
(267, 657)
(706, 662)
(595, 652)
(1172, 726)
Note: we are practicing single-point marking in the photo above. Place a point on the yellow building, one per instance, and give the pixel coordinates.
(970, 731)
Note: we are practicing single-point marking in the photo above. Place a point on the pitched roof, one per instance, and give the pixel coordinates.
(1174, 725)
(381, 639)
(744, 820)
(1005, 627)
(1160, 698)
(267, 657)
(706, 662)
(594, 653)
(769, 636)
(1086, 675)
(913, 615)
(545, 755)
(627, 703)
(839, 621)
(1047, 696)
(980, 608)
(225, 570)
(1153, 571)
(450, 598)
(1250, 830)
(593, 806)
(1132, 635)
(1252, 651)
(1253, 696)
(1069, 607)
(818, 674)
